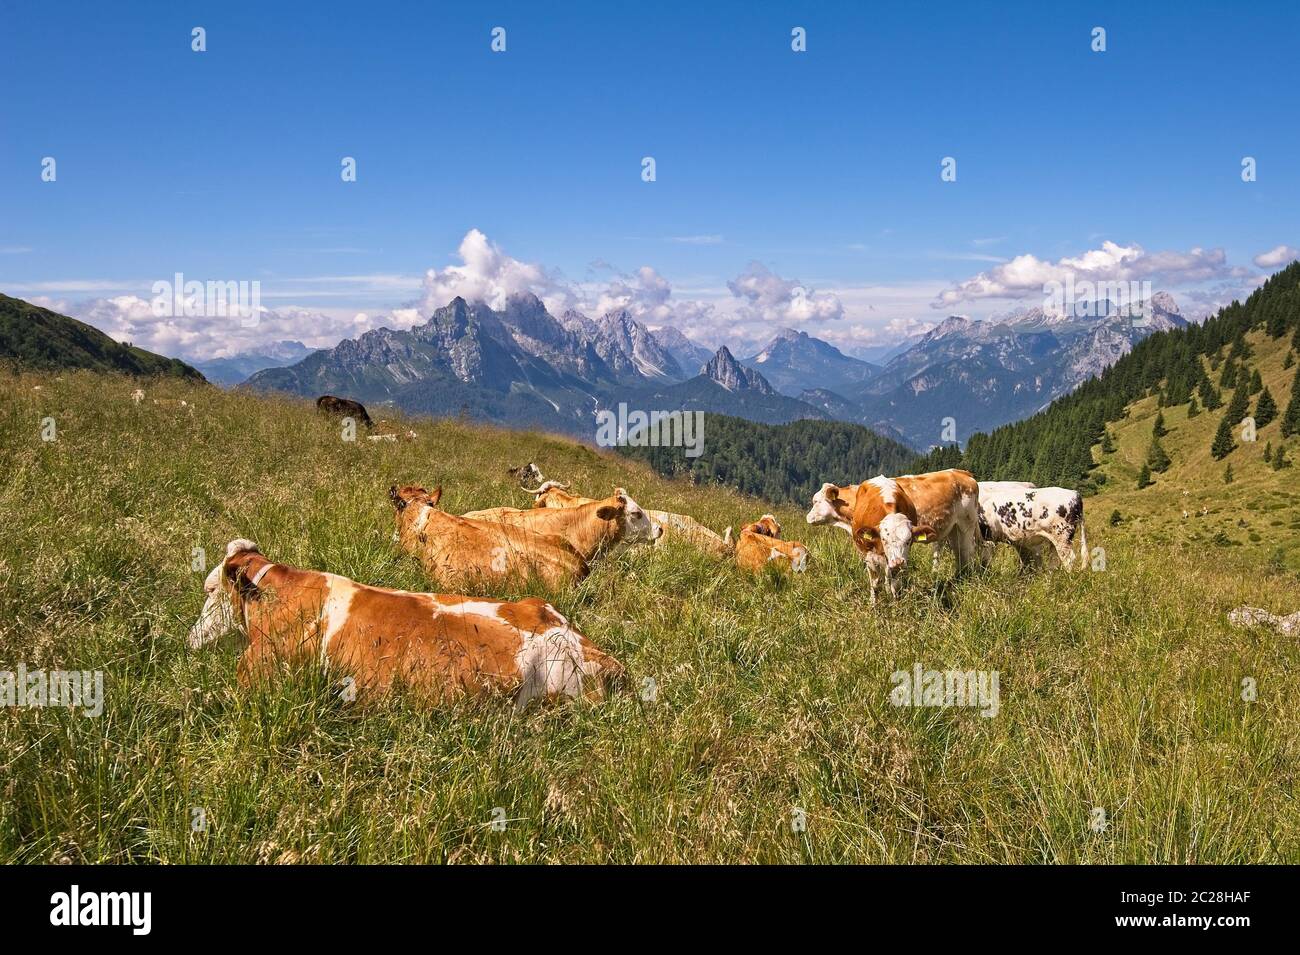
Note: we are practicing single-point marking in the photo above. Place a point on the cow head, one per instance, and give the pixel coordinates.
(635, 526)
(408, 494)
(551, 494)
(226, 587)
(526, 474)
(765, 525)
(889, 542)
(832, 505)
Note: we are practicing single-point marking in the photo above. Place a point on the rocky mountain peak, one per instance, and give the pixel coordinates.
(723, 369)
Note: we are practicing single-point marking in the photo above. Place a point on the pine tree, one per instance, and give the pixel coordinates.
(1107, 442)
(1227, 475)
(1157, 457)
(1144, 477)
(1291, 420)
(1288, 361)
(1268, 452)
(1280, 460)
(1228, 377)
(1239, 404)
(1193, 409)
(1265, 409)
(1209, 396)
(1223, 444)
(1256, 382)
(1158, 429)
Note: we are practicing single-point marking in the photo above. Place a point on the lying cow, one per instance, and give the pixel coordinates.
(438, 645)
(553, 494)
(889, 514)
(344, 408)
(590, 528)
(458, 552)
(1033, 521)
(759, 545)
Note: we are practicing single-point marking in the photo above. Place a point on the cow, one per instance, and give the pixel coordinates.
(590, 528)
(440, 646)
(889, 514)
(553, 494)
(458, 552)
(344, 408)
(833, 505)
(137, 396)
(1033, 521)
(526, 474)
(760, 545)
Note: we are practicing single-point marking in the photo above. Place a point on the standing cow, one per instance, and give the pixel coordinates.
(888, 515)
(1034, 521)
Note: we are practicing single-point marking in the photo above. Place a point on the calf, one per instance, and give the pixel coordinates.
(438, 645)
(759, 545)
(590, 528)
(1033, 521)
(553, 494)
(344, 408)
(460, 552)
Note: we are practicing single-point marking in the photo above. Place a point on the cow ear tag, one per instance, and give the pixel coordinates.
(922, 537)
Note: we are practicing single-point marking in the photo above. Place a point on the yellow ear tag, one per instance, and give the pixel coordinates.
(921, 537)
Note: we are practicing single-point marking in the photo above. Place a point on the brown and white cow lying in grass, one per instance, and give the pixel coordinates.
(759, 545)
(553, 494)
(437, 645)
(590, 528)
(889, 514)
(458, 552)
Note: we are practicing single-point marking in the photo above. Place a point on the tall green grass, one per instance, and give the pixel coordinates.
(1119, 689)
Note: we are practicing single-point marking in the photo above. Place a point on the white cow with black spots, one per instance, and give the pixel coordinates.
(1034, 521)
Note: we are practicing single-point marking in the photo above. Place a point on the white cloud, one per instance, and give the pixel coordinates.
(697, 239)
(766, 297)
(1277, 256)
(1027, 275)
(488, 275)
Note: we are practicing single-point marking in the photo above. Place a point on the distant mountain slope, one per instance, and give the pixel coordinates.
(987, 373)
(783, 462)
(237, 368)
(689, 355)
(794, 361)
(40, 339)
(1175, 366)
(726, 387)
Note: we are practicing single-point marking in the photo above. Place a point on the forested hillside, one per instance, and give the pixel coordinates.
(787, 462)
(1197, 368)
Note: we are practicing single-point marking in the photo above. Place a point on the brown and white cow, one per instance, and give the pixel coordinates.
(440, 646)
(889, 514)
(590, 528)
(553, 494)
(458, 552)
(760, 545)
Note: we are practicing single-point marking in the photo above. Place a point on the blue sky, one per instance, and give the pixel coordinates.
(822, 166)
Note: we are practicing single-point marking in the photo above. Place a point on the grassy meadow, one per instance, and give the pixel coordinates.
(1120, 689)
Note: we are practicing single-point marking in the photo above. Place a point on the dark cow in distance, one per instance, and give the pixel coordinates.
(344, 408)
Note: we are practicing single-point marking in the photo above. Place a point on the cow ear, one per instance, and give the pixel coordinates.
(830, 491)
(395, 497)
(436, 496)
(609, 512)
(922, 533)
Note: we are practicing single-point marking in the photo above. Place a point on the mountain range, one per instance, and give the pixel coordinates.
(523, 366)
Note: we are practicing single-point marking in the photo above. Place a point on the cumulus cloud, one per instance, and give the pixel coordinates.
(1277, 256)
(766, 297)
(1027, 275)
(198, 337)
(486, 274)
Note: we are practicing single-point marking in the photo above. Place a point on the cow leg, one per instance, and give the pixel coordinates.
(1064, 550)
